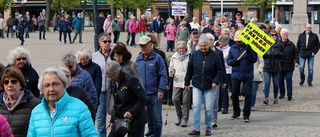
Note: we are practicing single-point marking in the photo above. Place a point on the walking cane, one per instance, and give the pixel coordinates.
(168, 99)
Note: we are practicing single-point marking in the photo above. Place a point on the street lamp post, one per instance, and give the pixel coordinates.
(23, 2)
(95, 24)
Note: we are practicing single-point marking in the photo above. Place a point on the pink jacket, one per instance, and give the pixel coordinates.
(133, 26)
(5, 130)
(171, 32)
(107, 26)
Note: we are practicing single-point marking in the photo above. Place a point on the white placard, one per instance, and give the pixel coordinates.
(179, 8)
(148, 13)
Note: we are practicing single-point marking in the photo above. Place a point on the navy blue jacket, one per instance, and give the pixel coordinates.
(243, 70)
(96, 74)
(204, 69)
(155, 27)
(153, 73)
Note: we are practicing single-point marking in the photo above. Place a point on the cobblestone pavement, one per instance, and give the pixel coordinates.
(298, 117)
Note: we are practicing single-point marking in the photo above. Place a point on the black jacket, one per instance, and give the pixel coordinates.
(130, 96)
(273, 58)
(81, 94)
(96, 74)
(291, 56)
(204, 69)
(18, 118)
(313, 45)
(31, 77)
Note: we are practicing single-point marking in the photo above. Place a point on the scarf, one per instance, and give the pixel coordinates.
(182, 57)
(13, 103)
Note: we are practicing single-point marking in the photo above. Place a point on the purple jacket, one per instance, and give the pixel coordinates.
(5, 130)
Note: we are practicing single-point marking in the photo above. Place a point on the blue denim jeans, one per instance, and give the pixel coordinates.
(128, 37)
(287, 75)
(267, 81)
(101, 116)
(302, 62)
(208, 97)
(216, 96)
(255, 86)
(10, 28)
(154, 113)
(247, 91)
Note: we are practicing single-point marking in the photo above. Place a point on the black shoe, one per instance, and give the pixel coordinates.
(266, 102)
(149, 133)
(310, 84)
(214, 125)
(44, 38)
(80, 42)
(234, 117)
(177, 123)
(194, 132)
(246, 120)
(289, 98)
(224, 111)
(301, 83)
(281, 96)
(65, 42)
(21, 43)
(40, 39)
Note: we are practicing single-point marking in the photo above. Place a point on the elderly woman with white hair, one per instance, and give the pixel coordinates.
(80, 77)
(177, 71)
(130, 100)
(206, 72)
(20, 58)
(290, 60)
(85, 62)
(217, 95)
(59, 114)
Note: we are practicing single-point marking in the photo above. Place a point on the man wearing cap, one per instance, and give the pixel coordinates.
(193, 42)
(242, 74)
(209, 29)
(239, 19)
(154, 81)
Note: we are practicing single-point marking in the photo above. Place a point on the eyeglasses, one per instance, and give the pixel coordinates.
(111, 76)
(18, 59)
(54, 85)
(105, 41)
(13, 81)
(274, 35)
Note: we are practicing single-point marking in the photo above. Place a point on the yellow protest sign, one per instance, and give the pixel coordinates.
(259, 41)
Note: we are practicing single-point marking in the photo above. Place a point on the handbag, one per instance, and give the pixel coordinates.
(122, 126)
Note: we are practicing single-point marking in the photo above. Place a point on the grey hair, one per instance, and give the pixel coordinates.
(84, 51)
(204, 39)
(210, 36)
(226, 30)
(183, 44)
(224, 38)
(63, 68)
(104, 35)
(278, 26)
(55, 71)
(284, 31)
(112, 67)
(18, 51)
(69, 58)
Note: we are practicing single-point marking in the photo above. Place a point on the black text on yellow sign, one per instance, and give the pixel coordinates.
(259, 41)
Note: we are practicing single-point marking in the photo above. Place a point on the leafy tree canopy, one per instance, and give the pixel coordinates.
(258, 3)
(59, 5)
(5, 4)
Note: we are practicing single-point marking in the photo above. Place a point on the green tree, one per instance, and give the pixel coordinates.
(5, 4)
(263, 5)
(66, 5)
(125, 6)
(193, 4)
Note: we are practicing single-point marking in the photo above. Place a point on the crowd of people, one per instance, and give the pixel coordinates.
(210, 62)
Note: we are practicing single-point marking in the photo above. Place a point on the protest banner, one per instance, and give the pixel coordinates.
(179, 8)
(259, 41)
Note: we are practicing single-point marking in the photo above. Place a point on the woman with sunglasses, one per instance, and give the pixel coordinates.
(102, 57)
(272, 67)
(20, 58)
(16, 103)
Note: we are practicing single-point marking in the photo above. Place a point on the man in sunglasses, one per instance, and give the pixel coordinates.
(20, 58)
(154, 78)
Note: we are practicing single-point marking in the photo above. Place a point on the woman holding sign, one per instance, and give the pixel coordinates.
(272, 68)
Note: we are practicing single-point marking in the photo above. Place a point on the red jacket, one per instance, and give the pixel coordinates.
(142, 25)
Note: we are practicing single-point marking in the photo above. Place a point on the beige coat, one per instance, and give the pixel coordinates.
(258, 70)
